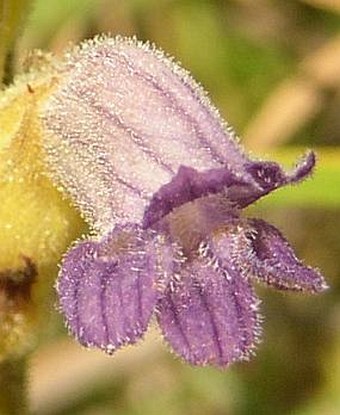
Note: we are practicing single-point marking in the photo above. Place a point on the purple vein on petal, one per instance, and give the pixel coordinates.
(213, 324)
(168, 96)
(139, 298)
(76, 320)
(173, 74)
(203, 320)
(107, 289)
(122, 305)
(103, 283)
(228, 270)
(114, 176)
(165, 72)
(136, 137)
(91, 163)
(176, 319)
(247, 342)
(100, 110)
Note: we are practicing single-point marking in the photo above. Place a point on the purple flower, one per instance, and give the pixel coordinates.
(135, 142)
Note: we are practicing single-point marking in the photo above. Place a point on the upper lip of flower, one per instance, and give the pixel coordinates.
(189, 184)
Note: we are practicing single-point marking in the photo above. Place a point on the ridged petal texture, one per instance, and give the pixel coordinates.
(108, 289)
(209, 314)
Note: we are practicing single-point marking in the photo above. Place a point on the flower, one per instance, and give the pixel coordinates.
(162, 181)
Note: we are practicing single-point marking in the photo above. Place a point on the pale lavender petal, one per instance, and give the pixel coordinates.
(122, 120)
(209, 315)
(108, 289)
(190, 184)
(275, 262)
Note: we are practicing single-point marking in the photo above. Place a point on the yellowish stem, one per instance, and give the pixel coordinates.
(13, 387)
(12, 14)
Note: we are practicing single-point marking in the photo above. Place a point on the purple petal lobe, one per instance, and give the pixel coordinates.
(187, 186)
(258, 250)
(303, 169)
(209, 314)
(275, 263)
(108, 289)
(240, 189)
(270, 176)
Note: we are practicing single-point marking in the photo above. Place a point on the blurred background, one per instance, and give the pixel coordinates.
(272, 67)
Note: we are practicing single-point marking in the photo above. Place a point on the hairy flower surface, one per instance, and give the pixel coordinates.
(135, 142)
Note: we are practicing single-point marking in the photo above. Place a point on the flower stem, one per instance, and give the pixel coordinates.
(13, 387)
(12, 14)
